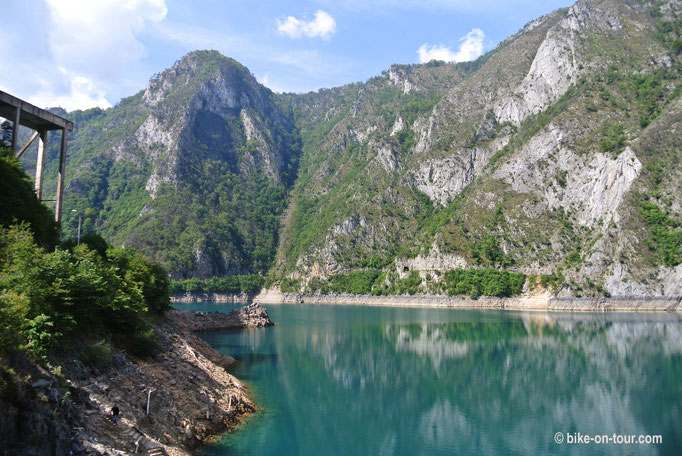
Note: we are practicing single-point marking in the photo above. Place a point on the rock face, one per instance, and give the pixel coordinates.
(250, 316)
(547, 147)
(533, 148)
(193, 398)
(37, 415)
(204, 138)
(174, 401)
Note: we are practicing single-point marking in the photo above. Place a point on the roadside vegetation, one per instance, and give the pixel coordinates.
(235, 284)
(54, 295)
(456, 282)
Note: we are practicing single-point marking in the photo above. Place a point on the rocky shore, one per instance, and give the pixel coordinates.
(249, 316)
(171, 403)
(546, 303)
(234, 298)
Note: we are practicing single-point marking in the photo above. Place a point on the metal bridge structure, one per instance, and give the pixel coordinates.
(40, 121)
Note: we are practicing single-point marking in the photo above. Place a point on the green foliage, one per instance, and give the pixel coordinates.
(98, 354)
(96, 243)
(47, 297)
(666, 235)
(668, 33)
(235, 284)
(409, 285)
(649, 92)
(148, 278)
(143, 342)
(554, 280)
(573, 258)
(463, 282)
(489, 252)
(290, 285)
(613, 138)
(19, 202)
(483, 282)
(354, 282)
(405, 140)
(42, 335)
(13, 308)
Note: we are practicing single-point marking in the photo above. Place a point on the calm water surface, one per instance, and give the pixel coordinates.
(371, 380)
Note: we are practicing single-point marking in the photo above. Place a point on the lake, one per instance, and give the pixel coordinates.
(334, 380)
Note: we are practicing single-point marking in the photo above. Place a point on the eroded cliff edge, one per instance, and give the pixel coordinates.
(193, 399)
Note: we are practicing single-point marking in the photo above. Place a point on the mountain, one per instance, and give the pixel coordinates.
(556, 154)
(192, 171)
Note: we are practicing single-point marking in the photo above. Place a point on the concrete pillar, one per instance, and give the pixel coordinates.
(15, 130)
(60, 179)
(40, 163)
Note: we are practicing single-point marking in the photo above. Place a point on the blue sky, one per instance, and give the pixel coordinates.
(84, 53)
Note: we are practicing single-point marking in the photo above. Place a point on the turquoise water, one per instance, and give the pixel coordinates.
(370, 380)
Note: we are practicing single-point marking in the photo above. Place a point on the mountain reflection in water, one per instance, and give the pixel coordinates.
(368, 380)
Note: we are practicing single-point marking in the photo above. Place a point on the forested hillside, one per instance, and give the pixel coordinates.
(555, 156)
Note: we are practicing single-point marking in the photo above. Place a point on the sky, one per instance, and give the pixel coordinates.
(79, 54)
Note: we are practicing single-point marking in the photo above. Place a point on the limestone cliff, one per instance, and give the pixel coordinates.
(557, 152)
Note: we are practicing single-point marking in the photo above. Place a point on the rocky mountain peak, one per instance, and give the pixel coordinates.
(539, 151)
(208, 74)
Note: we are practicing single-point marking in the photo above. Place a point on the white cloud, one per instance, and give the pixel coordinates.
(470, 48)
(97, 39)
(322, 26)
(309, 61)
(72, 52)
(267, 81)
(81, 93)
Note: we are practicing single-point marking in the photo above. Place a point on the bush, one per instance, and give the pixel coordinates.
(355, 282)
(235, 284)
(13, 308)
(614, 139)
(666, 237)
(48, 296)
(483, 282)
(142, 343)
(19, 203)
(42, 335)
(98, 354)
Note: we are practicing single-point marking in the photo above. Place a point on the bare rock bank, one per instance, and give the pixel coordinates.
(547, 303)
(171, 403)
(251, 316)
(234, 298)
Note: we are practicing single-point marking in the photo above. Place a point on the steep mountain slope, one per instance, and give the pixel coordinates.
(192, 171)
(546, 156)
(557, 155)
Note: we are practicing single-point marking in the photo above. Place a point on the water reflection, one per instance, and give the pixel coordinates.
(357, 380)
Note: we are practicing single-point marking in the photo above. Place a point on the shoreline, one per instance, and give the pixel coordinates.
(524, 303)
(234, 298)
(179, 418)
(528, 303)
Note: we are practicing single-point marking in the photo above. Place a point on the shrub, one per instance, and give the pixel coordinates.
(142, 343)
(483, 282)
(666, 237)
(98, 354)
(46, 297)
